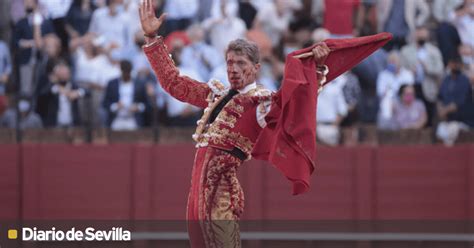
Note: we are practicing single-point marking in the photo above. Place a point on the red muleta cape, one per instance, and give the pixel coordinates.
(289, 139)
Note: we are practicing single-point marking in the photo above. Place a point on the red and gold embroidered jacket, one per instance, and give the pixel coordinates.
(236, 124)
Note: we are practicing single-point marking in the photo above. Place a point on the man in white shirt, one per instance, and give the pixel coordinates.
(112, 25)
(200, 56)
(225, 27)
(331, 109)
(274, 18)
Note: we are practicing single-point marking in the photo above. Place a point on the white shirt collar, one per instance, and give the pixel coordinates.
(248, 88)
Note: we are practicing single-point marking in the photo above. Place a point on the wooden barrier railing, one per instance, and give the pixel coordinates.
(362, 135)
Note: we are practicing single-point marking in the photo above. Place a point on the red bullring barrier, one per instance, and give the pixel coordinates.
(129, 181)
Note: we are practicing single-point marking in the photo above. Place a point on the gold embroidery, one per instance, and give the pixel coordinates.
(219, 132)
(205, 117)
(226, 119)
(223, 136)
(221, 200)
(217, 87)
(234, 107)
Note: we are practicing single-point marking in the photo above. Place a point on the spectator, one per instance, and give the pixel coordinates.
(455, 103)
(5, 66)
(463, 20)
(17, 10)
(368, 20)
(446, 34)
(28, 118)
(60, 96)
(352, 94)
(298, 35)
(135, 54)
(133, 50)
(400, 17)
(5, 20)
(48, 56)
(111, 25)
(93, 70)
(125, 101)
(409, 112)
(247, 12)
(426, 63)
(199, 55)
(79, 18)
(221, 8)
(275, 17)
(5, 73)
(131, 10)
(56, 12)
(144, 75)
(388, 84)
(339, 17)
(332, 109)
(443, 9)
(367, 72)
(180, 14)
(28, 39)
(204, 9)
(224, 28)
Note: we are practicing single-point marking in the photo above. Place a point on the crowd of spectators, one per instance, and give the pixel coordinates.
(69, 63)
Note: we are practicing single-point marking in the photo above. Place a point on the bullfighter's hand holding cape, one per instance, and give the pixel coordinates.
(288, 140)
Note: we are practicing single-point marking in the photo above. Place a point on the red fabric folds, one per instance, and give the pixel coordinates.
(289, 139)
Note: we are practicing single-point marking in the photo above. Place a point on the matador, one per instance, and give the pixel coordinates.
(247, 120)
